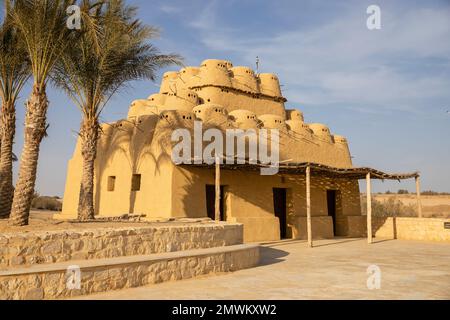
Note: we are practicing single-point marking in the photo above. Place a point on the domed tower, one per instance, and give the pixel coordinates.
(212, 114)
(214, 72)
(188, 77)
(168, 82)
(174, 119)
(244, 119)
(157, 99)
(140, 107)
(182, 99)
(244, 79)
(269, 84)
(321, 131)
(271, 121)
(300, 128)
(294, 115)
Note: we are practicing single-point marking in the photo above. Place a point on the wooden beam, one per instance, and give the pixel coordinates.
(308, 206)
(217, 183)
(369, 208)
(419, 202)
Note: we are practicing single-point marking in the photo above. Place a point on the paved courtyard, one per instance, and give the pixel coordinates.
(333, 269)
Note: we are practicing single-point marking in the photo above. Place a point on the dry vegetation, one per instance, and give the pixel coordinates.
(405, 205)
(47, 203)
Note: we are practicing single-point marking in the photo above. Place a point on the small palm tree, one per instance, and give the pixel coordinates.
(41, 25)
(112, 51)
(14, 72)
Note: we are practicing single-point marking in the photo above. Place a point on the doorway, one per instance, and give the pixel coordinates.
(331, 204)
(279, 206)
(211, 202)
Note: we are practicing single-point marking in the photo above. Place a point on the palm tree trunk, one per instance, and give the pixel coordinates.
(89, 135)
(35, 130)
(8, 129)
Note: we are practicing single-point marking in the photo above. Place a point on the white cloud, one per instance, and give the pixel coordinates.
(341, 62)
(168, 9)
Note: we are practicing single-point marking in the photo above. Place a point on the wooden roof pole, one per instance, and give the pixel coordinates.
(217, 198)
(419, 202)
(308, 206)
(369, 208)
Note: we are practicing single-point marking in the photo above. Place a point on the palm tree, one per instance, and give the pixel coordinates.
(112, 51)
(14, 72)
(42, 28)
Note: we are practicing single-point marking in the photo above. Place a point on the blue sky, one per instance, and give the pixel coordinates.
(387, 91)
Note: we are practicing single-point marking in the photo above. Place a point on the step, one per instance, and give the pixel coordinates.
(59, 280)
(80, 242)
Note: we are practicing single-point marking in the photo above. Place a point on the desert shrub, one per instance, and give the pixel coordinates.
(389, 208)
(46, 203)
(434, 193)
(402, 191)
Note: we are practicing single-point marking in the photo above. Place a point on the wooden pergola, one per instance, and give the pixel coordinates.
(309, 170)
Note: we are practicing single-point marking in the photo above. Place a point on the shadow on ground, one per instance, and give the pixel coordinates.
(271, 256)
(337, 242)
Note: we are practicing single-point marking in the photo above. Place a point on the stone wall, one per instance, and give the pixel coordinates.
(50, 281)
(425, 229)
(22, 249)
(405, 228)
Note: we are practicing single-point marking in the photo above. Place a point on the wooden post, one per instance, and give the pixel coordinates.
(419, 203)
(217, 200)
(308, 206)
(369, 208)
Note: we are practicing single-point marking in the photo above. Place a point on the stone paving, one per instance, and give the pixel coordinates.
(333, 269)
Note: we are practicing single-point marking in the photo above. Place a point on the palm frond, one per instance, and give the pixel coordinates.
(42, 27)
(113, 50)
(14, 62)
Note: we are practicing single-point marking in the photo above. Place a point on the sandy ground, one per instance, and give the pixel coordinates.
(43, 220)
(333, 269)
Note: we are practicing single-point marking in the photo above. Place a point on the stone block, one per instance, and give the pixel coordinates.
(34, 294)
(52, 248)
(17, 261)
